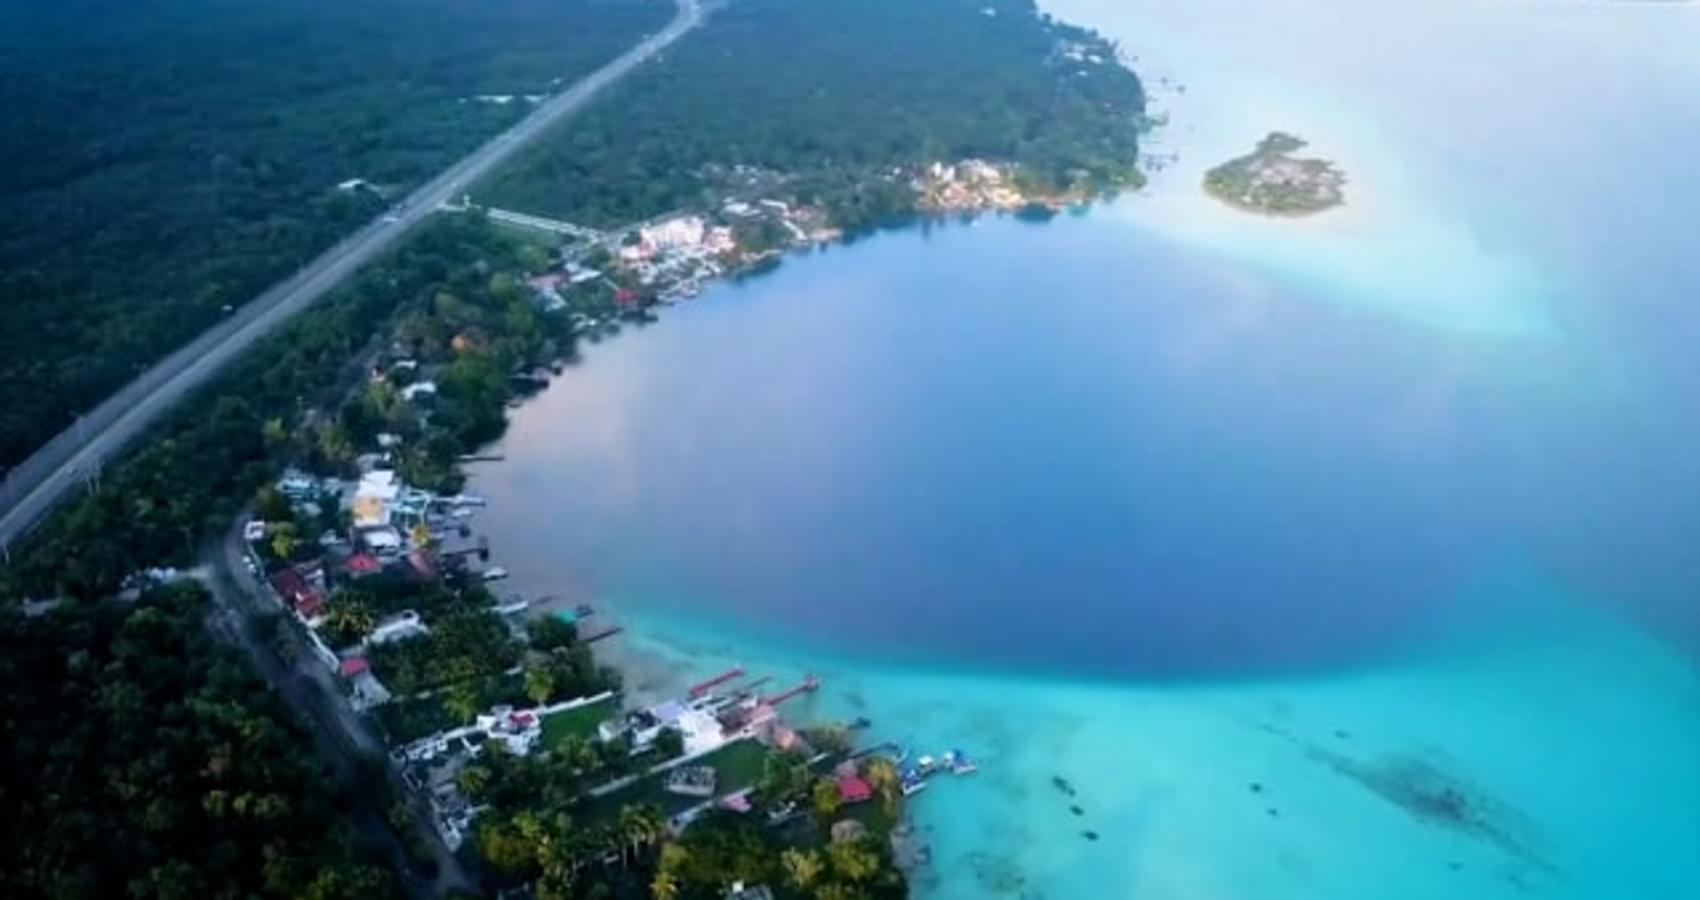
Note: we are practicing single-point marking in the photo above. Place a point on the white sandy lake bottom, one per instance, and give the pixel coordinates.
(1558, 764)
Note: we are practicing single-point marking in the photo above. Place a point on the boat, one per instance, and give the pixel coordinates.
(495, 573)
(959, 763)
(913, 782)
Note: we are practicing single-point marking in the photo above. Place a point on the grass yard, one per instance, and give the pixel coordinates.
(738, 765)
(579, 722)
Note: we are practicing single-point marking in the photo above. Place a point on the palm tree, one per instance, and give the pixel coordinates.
(664, 886)
(802, 867)
(539, 683)
(853, 860)
(472, 780)
(825, 798)
(462, 702)
(631, 830)
(349, 619)
(284, 542)
(882, 776)
(652, 824)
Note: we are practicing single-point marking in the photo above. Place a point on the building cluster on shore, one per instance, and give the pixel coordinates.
(392, 587)
(669, 258)
(386, 545)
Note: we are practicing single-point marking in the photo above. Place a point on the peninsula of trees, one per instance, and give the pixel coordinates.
(1272, 181)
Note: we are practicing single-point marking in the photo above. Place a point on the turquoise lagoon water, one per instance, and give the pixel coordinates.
(1337, 559)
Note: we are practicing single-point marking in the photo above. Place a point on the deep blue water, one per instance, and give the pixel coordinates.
(1432, 456)
(1075, 446)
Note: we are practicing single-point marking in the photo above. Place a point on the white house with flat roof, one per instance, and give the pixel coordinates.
(374, 497)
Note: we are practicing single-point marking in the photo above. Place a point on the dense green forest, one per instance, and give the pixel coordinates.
(164, 159)
(204, 461)
(213, 171)
(142, 761)
(833, 91)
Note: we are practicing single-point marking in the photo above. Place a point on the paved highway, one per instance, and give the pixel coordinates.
(63, 463)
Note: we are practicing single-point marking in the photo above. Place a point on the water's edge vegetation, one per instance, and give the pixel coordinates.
(1047, 100)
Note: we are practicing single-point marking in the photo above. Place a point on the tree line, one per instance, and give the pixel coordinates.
(834, 94)
(143, 761)
(167, 159)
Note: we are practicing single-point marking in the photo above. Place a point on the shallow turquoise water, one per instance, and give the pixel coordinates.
(1374, 511)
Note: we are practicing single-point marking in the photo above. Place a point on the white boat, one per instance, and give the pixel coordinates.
(495, 573)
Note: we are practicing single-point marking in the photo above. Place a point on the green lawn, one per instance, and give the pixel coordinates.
(739, 765)
(577, 722)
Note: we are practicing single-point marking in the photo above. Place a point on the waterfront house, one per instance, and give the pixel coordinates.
(373, 497)
(854, 789)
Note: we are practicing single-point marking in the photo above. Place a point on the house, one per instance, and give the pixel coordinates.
(413, 392)
(360, 565)
(518, 730)
(368, 691)
(402, 625)
(373, 497)
(310, 608)
(352, 666)
(674, 234)
(854, 789)
(385, 541)
(295, 484)
(634, 252)
(700, 730)
(298, 594)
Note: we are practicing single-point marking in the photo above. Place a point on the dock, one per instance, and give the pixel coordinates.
(809, 684)
(702, 687)
(605, 633)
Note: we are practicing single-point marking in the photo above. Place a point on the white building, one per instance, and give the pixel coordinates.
(374, 497)
(417, 389)
(402, 625)
(675, 234)
(384, 541)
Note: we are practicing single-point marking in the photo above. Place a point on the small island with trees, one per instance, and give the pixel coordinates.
(1272, 181)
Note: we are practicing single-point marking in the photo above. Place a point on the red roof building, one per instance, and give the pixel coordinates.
(362, 564)
(352, 666)
(310, 606)
(854, 789)
(297, 593)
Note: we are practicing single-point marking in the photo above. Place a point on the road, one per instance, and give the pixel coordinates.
(33, 487)
(342, 739)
